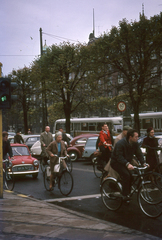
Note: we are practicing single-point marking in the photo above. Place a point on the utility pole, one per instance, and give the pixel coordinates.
(1, 153)
(44, 99)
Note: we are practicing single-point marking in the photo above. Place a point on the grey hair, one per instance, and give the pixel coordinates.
(58, 134)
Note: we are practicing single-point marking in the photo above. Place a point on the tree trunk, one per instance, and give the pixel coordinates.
(25, 117)
(136, 117)
(67, 111)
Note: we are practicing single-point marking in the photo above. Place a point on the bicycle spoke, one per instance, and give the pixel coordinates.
(66, 183)
(111, 194)
(150, 199)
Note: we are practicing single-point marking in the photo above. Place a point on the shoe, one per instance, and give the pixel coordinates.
(51, 189)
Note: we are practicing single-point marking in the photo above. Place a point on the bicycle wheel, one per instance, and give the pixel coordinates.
(9, 181)
(111, 194)
(150, 199)
(66, 183)
(69, 164)
(46, 180)
(97, 169)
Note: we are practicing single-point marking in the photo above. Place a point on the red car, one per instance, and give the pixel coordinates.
(77, 145)
(24, 163)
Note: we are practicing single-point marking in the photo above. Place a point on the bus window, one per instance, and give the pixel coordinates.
(99, 126)
(84, 126)
(92, 126)
(76, 126)
(60, 125)
(146, 123)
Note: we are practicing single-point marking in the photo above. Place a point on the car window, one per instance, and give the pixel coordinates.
(20, 151)
(81, 140)
(32, 139)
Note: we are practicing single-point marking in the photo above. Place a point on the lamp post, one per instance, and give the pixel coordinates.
(44, 98)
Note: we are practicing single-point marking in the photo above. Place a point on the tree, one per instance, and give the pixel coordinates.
(25, 91)
(133, 51)
(65, 69)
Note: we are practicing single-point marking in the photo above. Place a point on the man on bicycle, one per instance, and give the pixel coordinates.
(7, 150)
(105, 143)
(121, 157)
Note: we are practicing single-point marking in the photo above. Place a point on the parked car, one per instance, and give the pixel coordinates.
(77, 144)
(11, 134)
(24, 163)
(90, 148)
(36, 148)
(29, 140)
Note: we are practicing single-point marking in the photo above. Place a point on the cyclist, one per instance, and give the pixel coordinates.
(121, 157)
(105, 143)
(58, 148)
(7, 150)
(151, 141)
(45, 139)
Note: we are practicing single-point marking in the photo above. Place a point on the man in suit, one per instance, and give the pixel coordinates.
(45, 139)
(56, 149)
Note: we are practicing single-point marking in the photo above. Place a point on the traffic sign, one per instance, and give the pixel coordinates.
(121, 106)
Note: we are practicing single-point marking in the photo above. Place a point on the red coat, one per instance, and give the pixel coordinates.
(104, 139)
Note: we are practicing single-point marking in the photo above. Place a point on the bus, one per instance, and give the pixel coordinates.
(90, 125)
(150, 119)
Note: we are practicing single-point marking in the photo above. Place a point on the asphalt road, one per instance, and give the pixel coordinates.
(85, 198)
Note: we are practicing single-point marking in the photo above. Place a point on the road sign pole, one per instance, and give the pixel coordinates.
(1, 153)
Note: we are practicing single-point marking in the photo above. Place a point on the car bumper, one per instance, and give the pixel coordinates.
(25, 173)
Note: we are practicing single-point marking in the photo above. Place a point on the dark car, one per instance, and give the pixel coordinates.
(29, 140)
(77, 145)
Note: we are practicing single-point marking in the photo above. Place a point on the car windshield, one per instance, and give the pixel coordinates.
(20, 151)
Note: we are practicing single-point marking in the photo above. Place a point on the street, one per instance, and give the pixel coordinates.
(85, 198)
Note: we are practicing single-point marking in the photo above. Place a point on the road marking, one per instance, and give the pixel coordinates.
(73, 198)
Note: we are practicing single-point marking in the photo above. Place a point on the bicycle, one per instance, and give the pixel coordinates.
(8, 176)
(63, 178)
(149, 194)
(98, 165)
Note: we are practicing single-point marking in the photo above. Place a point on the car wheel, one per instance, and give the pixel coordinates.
(73, 155)
(35, 175)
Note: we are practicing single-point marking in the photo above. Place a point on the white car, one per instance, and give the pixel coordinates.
(36, 148)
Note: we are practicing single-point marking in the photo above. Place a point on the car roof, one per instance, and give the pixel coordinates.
(93, 138)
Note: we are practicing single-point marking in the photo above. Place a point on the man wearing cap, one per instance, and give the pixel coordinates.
(122, 134)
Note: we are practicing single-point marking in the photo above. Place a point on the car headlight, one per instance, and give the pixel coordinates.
(36, 162)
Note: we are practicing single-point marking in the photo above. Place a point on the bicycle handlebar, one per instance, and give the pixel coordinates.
(142, 167)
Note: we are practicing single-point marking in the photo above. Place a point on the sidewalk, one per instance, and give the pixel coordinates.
(24, 218)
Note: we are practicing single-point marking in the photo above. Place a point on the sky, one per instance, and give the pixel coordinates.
(60, 20)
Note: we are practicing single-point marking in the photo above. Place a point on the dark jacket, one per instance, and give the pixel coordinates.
(53, 149)
(18, 139)
(151, 156)
(7, 149)
(124, 152)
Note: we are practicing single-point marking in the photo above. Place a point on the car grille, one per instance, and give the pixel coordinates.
(23, 168)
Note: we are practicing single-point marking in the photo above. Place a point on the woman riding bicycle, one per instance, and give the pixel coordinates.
(58, 148)
(152, 142)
